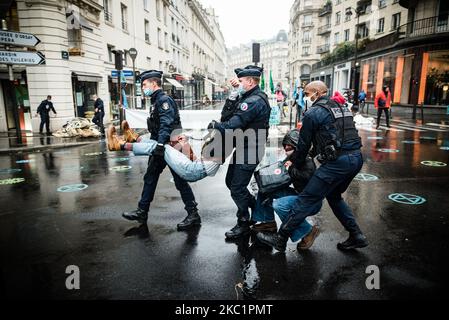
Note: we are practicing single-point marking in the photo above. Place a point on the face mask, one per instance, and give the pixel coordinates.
(241, 90)
(308, 101)
(147, 92)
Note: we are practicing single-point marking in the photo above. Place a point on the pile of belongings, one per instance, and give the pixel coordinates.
(78, 127)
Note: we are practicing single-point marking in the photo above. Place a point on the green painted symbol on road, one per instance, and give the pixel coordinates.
(93, 154)
(72, 187)
(366, 177)
(6, 170)
(445, 148)
(406, 198)
(410, 142)
(388, 150)
(121, 159)
(121, 168)
(428, 138)
(24, 161)
(433, 163)
(11, 181)
(375, 138)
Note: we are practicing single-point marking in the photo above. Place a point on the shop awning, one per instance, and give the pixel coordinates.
(89, 77)
(175, 83)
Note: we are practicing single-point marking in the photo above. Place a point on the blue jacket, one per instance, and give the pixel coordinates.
(315, 122)
(252, 113)
(167, 116)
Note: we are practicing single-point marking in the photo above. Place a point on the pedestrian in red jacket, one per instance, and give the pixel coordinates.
(382, 102)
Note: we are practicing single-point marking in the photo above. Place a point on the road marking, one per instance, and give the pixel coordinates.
(406, 198)
(72, 187)
(433, 163)
(366, 177)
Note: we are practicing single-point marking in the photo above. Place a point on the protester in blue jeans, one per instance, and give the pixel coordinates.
(330, 128)
(281, 201)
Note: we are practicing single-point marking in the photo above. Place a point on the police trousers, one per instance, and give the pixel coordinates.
(330, 181)
(237, 180)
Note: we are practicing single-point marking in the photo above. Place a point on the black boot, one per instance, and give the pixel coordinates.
(137, 215)
(355, 240)
(275, 240)
(192, 219)
(240, 229)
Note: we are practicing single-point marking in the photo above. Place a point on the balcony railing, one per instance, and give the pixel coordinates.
(424, 27)
(322, 49)
(324, 29)
(325, 10)
(108, 16)
(307, 24)
(307, 40)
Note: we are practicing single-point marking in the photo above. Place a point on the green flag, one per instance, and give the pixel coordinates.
(271, 83)
(262, 82)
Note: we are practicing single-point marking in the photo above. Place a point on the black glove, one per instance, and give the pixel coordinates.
(212, 125)
(159, 151)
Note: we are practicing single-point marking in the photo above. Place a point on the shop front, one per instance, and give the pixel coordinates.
(85, 86)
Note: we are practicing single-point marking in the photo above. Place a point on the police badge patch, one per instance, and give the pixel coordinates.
(244, 107)
(165, 106)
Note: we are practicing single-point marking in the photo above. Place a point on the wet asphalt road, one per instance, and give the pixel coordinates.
(42, 231)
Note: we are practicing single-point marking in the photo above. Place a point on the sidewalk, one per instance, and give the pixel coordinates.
(35, 142)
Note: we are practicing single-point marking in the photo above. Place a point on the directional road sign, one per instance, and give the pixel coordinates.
(21, 57)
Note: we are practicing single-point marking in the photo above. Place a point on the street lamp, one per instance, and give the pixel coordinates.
(355, 84)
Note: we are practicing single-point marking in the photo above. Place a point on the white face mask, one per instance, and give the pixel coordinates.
(308, 101)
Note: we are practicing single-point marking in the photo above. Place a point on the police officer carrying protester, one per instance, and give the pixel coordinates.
(164, 119)
(44, 111)
(330, 128)
(249, 112)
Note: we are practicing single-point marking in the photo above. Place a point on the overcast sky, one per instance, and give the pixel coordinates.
(244, 20)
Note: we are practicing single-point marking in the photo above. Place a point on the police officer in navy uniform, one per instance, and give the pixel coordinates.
(164, 119)
(330, 128)
(249, 112)
(44, 111)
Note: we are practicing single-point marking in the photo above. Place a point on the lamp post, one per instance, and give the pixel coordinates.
(355, 82)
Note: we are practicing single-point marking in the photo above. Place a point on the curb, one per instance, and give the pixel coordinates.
(46, 147)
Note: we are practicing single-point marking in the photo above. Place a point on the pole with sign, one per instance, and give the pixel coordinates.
(133, 55)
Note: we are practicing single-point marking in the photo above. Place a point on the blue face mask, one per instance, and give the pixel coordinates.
(147, 92)
(241, 90)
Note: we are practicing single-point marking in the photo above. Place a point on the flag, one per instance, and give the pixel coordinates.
(262, 82)
(271, 83)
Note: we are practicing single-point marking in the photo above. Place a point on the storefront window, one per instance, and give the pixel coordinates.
(437, 80)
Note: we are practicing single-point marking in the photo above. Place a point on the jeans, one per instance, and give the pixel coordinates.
(150, 183)
(330, 181)
(185, 168)
(237, 180)
(283, 201)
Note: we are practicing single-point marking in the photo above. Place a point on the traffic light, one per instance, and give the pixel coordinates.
(256, 52)
(118, 59)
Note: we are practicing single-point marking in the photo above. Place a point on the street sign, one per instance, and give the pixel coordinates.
(22, 57)
(132, 53)
(19, 39)
(64, 55)
(126, 73)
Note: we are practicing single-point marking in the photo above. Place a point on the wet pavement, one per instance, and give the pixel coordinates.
(43, 230)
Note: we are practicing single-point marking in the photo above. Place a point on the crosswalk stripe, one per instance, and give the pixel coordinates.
(424, 127)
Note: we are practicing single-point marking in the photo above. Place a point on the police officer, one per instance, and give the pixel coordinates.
(99, 113)
(44, 111)
(330, 128)
(249, 112)
(164, 119)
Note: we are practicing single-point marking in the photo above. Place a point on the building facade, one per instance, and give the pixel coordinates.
(79, 41)
(302, 49)
(273, 57)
